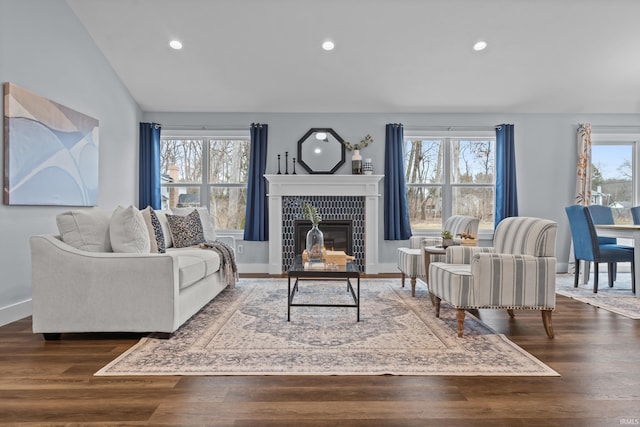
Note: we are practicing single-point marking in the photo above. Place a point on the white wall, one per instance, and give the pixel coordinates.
(45, 49)
(545, 156)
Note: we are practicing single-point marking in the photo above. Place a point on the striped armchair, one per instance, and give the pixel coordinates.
(518, 272)
(411, 259)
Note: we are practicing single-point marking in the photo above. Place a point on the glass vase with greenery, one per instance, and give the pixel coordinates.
(315, 238)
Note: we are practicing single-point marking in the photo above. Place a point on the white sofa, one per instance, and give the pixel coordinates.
(92, 289)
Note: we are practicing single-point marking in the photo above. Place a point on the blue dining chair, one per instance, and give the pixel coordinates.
(603, 215)
(587, 246)
(635, 214)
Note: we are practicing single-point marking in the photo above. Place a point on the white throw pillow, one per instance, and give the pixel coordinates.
(128, 231)
(208, 227)
(86, 229)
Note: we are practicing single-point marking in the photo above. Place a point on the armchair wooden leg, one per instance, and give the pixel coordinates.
(577, 273)
(413, 286)
(436, 301)
(460, 316)
(510, 311)
(403, 276)
(547, 321)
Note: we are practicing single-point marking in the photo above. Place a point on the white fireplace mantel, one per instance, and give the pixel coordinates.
(324, 185)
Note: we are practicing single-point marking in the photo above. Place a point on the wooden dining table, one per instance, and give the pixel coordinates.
(624, 232)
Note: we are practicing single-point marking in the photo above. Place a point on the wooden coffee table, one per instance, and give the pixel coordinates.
(345, 272)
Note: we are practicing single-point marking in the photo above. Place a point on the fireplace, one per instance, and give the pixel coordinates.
(338, 235)
(342, 223)
(352, 198)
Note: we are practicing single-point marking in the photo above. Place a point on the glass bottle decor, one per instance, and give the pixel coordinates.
(315, 243)
(356, 163)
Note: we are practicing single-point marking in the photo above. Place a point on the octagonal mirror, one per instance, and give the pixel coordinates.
(321, 150)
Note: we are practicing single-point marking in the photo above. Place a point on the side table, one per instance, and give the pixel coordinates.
(428, 251)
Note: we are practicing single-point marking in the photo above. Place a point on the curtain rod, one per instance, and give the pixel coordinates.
(622, 127)
(203, 127)
(451, 128)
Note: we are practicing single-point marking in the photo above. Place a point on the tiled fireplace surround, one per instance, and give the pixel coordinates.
(349, 197)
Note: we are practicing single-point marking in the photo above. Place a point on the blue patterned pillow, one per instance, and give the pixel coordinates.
(157, 231)
(156, 235)
(186, 230)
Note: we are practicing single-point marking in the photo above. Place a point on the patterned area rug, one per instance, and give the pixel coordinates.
(619, 299)
(244, 331)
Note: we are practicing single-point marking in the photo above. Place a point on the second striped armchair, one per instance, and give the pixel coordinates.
(411, 259)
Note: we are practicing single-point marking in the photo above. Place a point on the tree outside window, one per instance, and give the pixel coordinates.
(449, 176)
(612, 175)
(207, 171)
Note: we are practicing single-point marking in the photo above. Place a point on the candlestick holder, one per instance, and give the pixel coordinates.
(279, 173)
(294, 166)
(286, 163)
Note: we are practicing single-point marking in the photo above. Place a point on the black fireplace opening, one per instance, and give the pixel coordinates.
(338, 235)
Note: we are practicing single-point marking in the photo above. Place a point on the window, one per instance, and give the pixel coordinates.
(452, 175)
(614, 172)
(210, 171)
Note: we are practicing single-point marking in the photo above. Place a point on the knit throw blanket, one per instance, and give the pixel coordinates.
(227, 260)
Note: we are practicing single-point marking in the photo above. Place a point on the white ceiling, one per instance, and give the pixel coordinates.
(544, 56)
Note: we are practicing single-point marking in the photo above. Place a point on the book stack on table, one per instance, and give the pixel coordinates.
(330, 257)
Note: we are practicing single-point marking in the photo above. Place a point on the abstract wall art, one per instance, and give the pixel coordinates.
(50, 152)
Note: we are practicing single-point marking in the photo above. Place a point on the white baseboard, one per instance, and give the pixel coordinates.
(253, 268)
(390, 267)
(14, 312)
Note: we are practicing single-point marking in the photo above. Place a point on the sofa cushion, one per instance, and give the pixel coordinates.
(154, 228)
(128, 231)
(86, 229)
(191, 270)
(186, 230)
(210, 257)
(208, 226)
(194, 264)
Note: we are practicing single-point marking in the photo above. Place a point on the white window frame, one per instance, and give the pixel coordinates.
(632, 139)
(447, 186)
(205, 186)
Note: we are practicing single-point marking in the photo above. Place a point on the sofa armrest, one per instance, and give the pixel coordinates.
(81, 291)
(514, 280)
(227, 240)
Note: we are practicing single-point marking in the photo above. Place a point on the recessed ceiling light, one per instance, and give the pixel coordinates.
(175, 44)
(480, 45)
(328, 45)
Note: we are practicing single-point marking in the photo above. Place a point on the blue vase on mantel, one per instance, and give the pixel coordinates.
(315, 243)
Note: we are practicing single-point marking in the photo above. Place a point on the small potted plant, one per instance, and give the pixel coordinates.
(447, 238)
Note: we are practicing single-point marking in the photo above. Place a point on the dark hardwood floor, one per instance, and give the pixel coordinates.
(596, 352)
